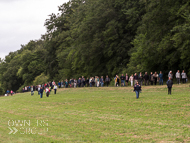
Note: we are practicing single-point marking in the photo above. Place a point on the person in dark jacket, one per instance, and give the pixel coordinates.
(160, 76)
(155, 77)
(59, 84)
(146, 79)
(151, 78)
(102, 81)
(87, 82)
(122, 80)
(137, 89)
(169, 85)
(41, 92)
(79, 82)
(82, 81)
(107, 80)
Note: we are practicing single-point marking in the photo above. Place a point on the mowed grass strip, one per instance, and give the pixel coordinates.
(108, 114)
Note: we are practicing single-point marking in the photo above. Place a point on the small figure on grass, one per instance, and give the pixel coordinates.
(12, 93)
(55, 88)
(32, 90)
(137, 89)
(47, 90)
(41, 92)
(169, 85)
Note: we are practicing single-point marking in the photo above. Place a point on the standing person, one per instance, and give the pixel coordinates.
(32, 91)
(97, 81)
(79, 82)
(135, 78)
(47, 91)
(102, 81)
(107, 80)
(169, 85)
(117, 81)
(34, 88)
(43, 86)
(41, 92)
(87, 82)
(39, 89)
(55, 88)
(93, 82)
(151, 78)
(53, 83)
(62, 84)
(11, 93)
(122, 80)
(126, 79)
(59, 84)
(72, 82)
(75, 83)
(66, 83)
(7, 92)
(160, 76)
(82, 81)
(155, 77)
(146, 79)
(90, 81)
(25, 88)
(178, 76)
(131, 79)
(170, 74)
(140, 79)
(184, 76)
(137, 89)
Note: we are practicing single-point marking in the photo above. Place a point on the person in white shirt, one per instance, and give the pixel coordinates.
(47, 91)
(32, 91)
(131, 79)
(184, 76)
(38, 89)
(178, 76)
(55, 88)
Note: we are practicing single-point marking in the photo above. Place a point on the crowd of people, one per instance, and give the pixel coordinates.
(152, 79)
(47, 87)
(82, 82)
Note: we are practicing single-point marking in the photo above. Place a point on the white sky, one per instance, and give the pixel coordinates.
(22, 21)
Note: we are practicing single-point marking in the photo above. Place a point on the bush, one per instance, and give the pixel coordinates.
(1, 91)
(41, 79)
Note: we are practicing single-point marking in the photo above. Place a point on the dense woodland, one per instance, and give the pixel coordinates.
(103, 37)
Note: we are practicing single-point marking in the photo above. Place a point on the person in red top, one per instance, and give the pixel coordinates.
(11, 92)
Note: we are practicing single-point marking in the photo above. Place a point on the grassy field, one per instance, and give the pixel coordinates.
(110, 114)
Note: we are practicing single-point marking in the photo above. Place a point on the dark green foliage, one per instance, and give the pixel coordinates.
(162, 40)
(104, 37)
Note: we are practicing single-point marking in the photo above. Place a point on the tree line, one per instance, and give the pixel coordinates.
(103, 37)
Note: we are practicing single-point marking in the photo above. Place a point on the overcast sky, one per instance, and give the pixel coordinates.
(22, 21)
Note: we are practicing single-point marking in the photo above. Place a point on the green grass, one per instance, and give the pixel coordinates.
(110, 114)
